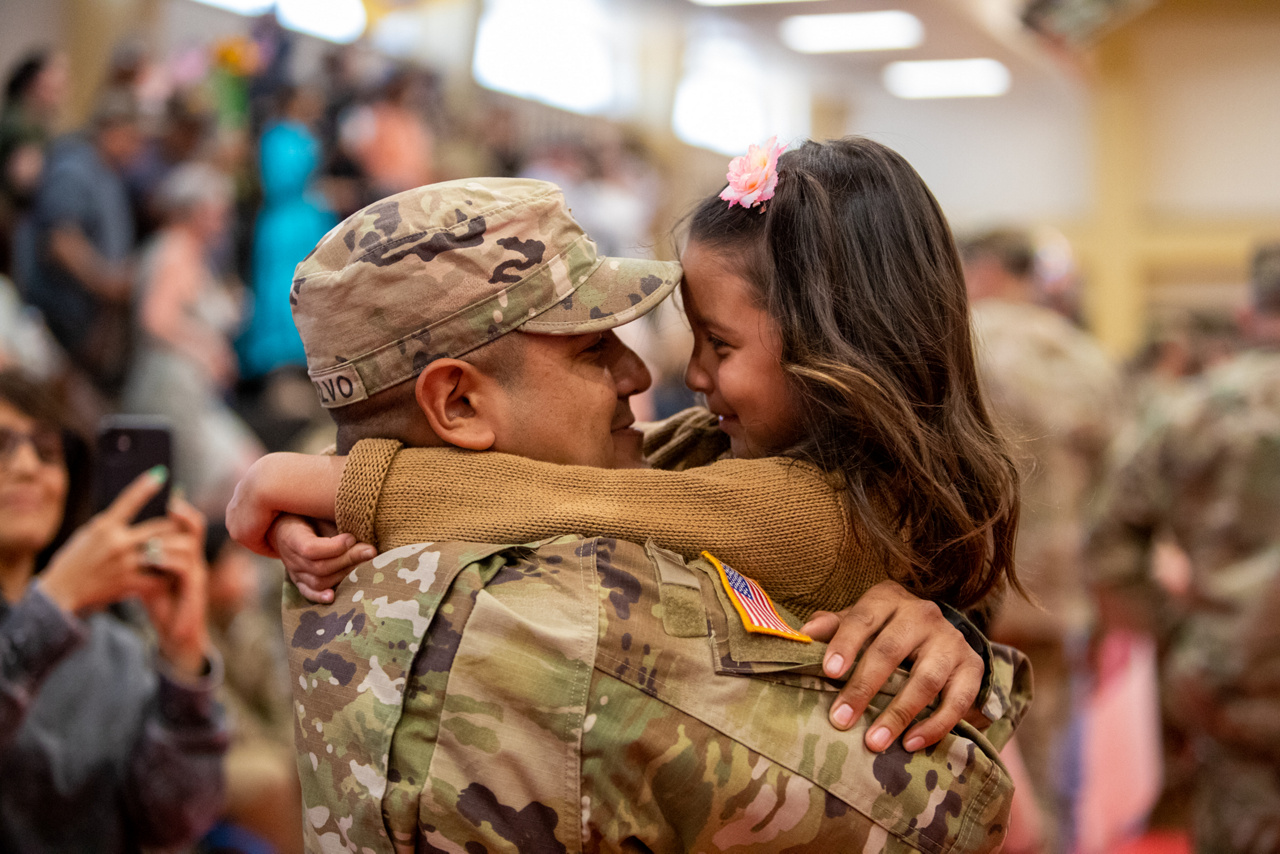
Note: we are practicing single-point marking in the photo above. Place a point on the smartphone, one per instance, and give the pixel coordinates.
(129, 445)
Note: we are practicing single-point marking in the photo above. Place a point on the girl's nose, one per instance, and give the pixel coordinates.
(696, 377)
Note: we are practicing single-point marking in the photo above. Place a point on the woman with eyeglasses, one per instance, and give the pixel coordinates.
(104, 746)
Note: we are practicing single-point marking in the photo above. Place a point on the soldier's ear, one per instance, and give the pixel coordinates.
(458, 402)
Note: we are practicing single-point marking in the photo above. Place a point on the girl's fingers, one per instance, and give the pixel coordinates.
(293, 534)
(312, 594)
(335, 568)
(326, 548)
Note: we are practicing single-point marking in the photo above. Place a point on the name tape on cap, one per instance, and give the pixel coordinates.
(339, 386)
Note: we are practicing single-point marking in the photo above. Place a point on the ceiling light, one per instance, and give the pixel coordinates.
(577, 67)
(947, 78)
(741, 2)
(242, 7)
(341, 21)
(851, 31)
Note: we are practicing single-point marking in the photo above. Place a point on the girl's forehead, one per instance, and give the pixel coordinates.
(712, 288)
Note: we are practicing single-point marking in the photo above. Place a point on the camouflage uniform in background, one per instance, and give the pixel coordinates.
(1209, 475)
(1054, 394)
(596, 695)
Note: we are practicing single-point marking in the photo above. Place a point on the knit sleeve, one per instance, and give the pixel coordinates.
(776, 520)
(362, 479)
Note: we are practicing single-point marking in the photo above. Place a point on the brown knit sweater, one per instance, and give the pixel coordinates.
(777, 520)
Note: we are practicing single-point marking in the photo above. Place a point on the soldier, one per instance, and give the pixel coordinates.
(1054, 393)
(573, 693)
(1209, 476)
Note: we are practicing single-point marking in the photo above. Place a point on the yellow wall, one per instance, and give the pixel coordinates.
(1187, 152)
(92, 29)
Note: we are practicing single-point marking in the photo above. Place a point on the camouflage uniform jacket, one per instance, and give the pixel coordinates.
(1055, 394)
(1207, 471)
(596, 695)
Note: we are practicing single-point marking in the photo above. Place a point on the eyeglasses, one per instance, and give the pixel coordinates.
(45, 442)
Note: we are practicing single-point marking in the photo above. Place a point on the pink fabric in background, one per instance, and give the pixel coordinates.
(1122, 765)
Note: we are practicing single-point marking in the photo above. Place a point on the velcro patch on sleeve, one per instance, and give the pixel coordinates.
(752, 604)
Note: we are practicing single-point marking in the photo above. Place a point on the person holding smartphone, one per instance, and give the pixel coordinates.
(108, 748)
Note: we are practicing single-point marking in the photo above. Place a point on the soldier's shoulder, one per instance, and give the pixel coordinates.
(1253, 374)
(1033, 332)
(1232, 392)
(1041, 371)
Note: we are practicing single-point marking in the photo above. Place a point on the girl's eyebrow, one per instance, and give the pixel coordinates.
(716, 327)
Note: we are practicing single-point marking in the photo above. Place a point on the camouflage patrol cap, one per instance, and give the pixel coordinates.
(440, 270)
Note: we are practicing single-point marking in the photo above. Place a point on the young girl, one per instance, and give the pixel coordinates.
(831, 334)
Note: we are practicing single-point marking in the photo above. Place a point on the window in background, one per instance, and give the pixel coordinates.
(561, 52)
(436, 35)
(341, 21)
(727, 99)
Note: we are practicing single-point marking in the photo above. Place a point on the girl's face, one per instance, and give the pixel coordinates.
(33, 482)
(736, 361)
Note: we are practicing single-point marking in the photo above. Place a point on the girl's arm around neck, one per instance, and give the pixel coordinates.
(774, 519)
(301, 484)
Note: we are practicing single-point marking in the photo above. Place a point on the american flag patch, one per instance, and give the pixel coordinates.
(752, 604)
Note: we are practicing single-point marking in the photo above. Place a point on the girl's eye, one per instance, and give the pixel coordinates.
(716, 344)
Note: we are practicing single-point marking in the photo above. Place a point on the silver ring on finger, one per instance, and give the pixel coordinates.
(151, 552)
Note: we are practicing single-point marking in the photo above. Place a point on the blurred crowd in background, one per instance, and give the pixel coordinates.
(147, 259)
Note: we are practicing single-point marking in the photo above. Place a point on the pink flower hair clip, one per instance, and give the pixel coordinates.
(754, 176)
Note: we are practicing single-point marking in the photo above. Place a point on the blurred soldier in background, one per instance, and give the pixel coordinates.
(1054, 394)
(1208, 475)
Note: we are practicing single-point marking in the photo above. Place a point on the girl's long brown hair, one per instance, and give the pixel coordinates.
(855, 261)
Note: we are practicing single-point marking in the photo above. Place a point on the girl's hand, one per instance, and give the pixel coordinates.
(316, 564)
(302, 484)
(103, 560)
(895, 627)
(178, 605)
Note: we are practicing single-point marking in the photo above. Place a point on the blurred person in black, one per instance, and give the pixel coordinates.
(108, 746)
(82, 239)
(33, 99)
(264, 796)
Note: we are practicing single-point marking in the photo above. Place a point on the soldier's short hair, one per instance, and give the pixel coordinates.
(1011, 248)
